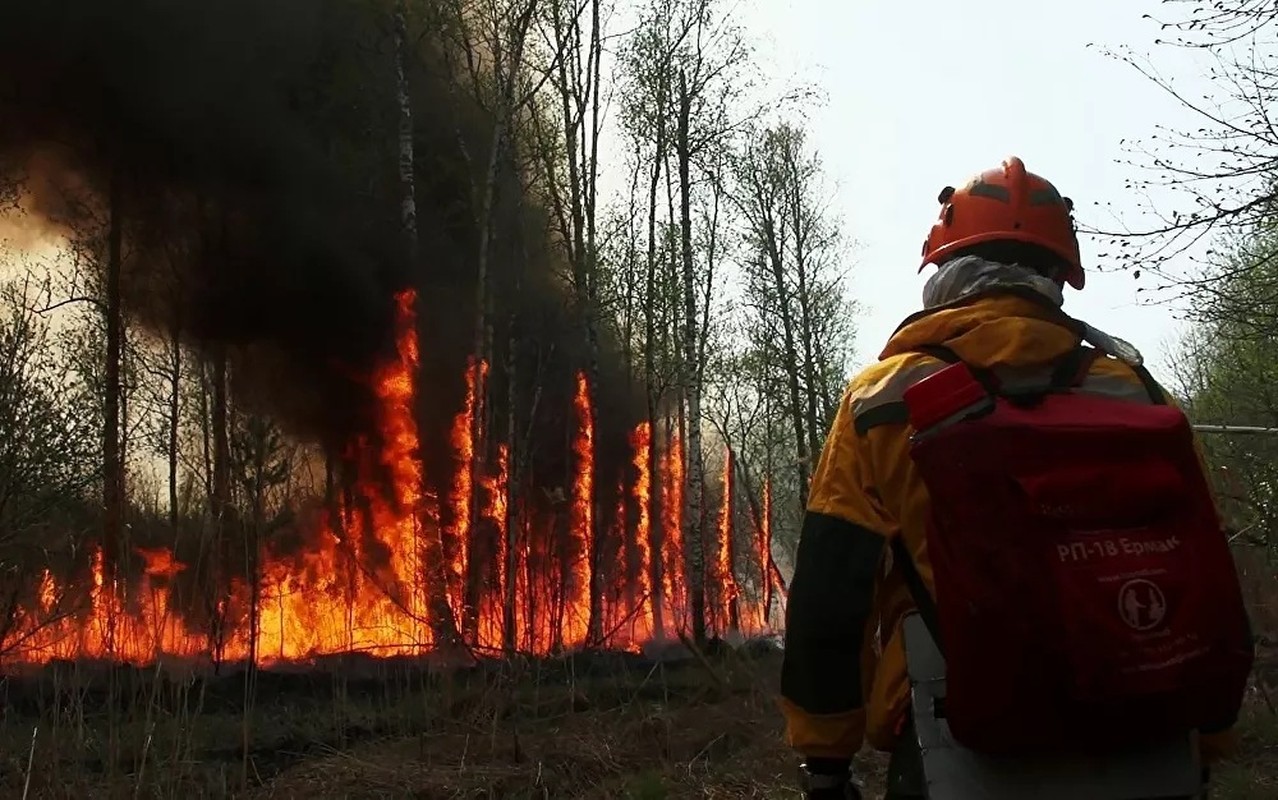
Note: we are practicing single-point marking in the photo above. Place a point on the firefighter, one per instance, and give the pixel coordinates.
(1005, 247)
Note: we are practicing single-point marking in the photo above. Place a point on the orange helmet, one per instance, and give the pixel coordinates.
(1006, 205)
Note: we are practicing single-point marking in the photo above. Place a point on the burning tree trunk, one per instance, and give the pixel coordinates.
(113, 464)
(648, 61)
(507, 69)
(673, 508)
(441, 619)
(583, 518)
(575, 76)
(724, 572)
(509, 634)
(645, 575)
(256, 487)
(590, 254)
(692, 385)
(206, 434)
(765, 551)
(656, 580)
(738, 473)
(221, 503)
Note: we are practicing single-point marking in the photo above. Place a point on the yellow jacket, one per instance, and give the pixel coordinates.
(844, 678)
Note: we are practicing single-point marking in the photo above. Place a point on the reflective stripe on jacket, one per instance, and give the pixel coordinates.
(843, 679)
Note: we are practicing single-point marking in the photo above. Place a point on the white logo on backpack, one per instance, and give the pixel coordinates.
(1141, 604)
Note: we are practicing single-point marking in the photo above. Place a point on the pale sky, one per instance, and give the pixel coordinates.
(924, 93)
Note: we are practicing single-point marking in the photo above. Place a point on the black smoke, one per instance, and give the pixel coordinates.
(250, 149)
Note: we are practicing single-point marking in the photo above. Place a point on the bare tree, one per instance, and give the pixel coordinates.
(793, 286)
(1220, 177)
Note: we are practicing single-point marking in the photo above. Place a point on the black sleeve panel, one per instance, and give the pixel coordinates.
(827, 612)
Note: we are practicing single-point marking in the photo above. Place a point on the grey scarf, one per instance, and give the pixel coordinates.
(968, 275)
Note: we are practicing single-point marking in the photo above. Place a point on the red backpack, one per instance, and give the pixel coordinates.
(1086, 597)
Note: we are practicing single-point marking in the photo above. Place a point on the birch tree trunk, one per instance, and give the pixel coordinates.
(659, 598)
(695, 491)
(433, 571)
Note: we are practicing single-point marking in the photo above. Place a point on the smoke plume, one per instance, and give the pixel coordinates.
(249, 148)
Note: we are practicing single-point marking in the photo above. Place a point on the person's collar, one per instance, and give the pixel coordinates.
(968, 275)
(967, 279)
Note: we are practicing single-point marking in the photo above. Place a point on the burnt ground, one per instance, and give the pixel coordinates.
(590, 726)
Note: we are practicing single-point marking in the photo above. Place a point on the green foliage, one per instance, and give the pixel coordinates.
(1229, 375)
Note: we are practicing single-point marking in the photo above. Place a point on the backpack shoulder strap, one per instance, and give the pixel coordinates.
(1081, 360)
(1068, 371)
(940, 352)
(922, 598)
(1155, 392)
(1073, 368)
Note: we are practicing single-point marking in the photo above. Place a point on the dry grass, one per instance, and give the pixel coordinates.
(679, 735)
(723, 747)
(690, 730)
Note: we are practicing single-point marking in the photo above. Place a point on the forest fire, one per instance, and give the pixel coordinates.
(391, 571)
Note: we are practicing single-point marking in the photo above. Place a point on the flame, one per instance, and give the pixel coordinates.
(457, 549)
(160, 563)
(576, 617)
(672, 555)
(308, 609)
(765, 555)
(495, 488)
(48, 592)
(725, 579)
(640, 439)
(621, 609)
(383, 574)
